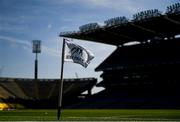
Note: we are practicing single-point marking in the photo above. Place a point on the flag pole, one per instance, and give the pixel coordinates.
(61, 82)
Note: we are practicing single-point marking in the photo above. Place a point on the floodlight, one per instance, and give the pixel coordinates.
(36, 48)
(144, 15)
(89, 27)
(116, 21)
(173, 9)
(36, 45)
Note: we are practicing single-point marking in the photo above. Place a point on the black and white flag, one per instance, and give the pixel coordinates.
(77, 54)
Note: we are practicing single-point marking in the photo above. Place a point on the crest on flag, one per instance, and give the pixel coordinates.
(77, 54)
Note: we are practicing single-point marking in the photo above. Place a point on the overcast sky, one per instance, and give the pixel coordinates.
(22, 21)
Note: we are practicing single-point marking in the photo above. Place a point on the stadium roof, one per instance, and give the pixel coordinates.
(146, 25)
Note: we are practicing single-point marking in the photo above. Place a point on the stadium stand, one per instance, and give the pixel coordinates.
(4, 93)
(22, 91)
(144, 74)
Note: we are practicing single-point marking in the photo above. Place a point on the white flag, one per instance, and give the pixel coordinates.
(77, 54)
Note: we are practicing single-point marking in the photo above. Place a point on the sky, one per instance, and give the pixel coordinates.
(22, 21)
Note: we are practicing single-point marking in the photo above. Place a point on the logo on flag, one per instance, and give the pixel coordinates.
(77, 54)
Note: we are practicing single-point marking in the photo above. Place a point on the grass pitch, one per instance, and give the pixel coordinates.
(92, 115)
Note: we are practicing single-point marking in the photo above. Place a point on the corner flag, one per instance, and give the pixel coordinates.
(73, 53)
(77, 54)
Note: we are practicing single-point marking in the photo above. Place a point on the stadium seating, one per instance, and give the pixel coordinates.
(23, 91)
(144, 70)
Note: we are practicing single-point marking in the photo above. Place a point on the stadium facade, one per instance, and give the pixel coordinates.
(140, 75)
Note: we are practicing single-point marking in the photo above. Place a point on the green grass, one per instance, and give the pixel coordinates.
(92, 115)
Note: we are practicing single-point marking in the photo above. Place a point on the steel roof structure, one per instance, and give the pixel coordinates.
(146, 25)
